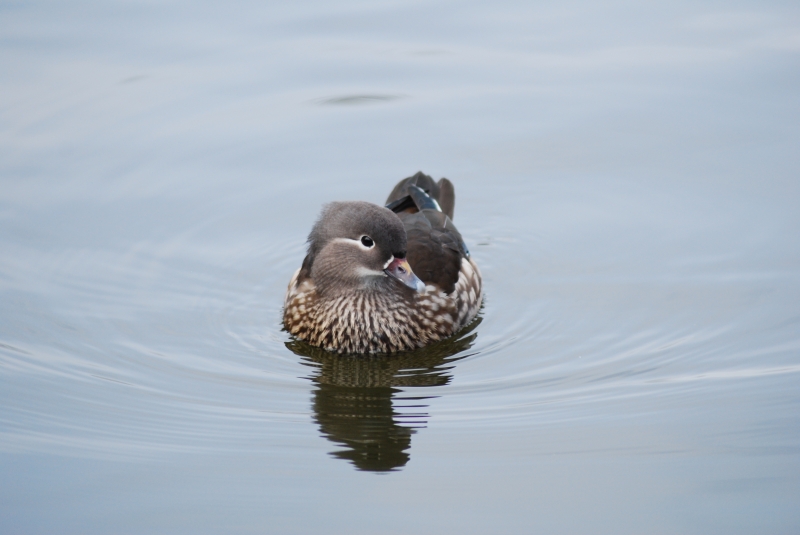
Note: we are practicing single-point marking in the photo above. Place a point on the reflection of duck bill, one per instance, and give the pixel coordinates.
(355, 395)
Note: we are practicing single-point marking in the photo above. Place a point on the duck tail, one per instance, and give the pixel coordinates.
(415, 193)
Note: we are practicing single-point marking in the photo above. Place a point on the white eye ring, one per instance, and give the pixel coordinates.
(367, 242)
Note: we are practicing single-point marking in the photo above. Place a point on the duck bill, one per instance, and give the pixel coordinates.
(400, 270)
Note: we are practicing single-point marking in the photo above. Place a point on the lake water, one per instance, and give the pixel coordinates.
(626, 179)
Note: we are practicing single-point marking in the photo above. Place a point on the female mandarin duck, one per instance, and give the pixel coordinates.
(383, 279)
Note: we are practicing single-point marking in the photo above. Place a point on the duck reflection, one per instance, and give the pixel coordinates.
(360, 403)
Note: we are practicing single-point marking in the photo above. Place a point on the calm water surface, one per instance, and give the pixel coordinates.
(627, 180)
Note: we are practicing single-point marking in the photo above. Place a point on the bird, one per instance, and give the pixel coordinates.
(383, 279)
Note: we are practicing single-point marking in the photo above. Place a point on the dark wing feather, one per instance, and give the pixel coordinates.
(435, 247)
(443, 191)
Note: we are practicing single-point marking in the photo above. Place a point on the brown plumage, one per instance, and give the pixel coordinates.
(356, 293)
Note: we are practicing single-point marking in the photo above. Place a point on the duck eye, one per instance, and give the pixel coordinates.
(367, 242)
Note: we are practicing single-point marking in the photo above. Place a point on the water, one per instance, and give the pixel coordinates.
(626, 179)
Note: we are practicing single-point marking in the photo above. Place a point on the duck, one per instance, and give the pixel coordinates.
(383, 279)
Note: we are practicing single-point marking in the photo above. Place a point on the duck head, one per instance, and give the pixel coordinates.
(359, 245)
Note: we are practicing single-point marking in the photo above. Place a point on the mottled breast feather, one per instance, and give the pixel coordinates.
(365, 322)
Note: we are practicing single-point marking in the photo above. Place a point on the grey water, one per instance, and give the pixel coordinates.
(627, 179)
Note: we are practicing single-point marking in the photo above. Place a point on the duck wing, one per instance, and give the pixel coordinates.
(435, 247)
